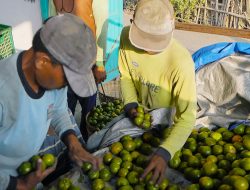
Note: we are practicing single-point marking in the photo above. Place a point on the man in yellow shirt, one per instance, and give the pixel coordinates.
(156, 72)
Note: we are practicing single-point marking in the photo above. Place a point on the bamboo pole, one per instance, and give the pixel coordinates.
(226, 11)
(248, 8)
(205, 13)
(221, 11)
(216, 12)
(220, 19)
(248, 12)
(198, 15)
(232, 9)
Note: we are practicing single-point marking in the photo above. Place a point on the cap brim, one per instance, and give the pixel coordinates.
(82, 84)
(148, 42)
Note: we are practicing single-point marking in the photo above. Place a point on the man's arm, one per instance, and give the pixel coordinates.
(78, 154)
(184, 96)
(100, 14)
(99, 73)
(127, 85)
(184, 92)
(64, 127)
(60, 118)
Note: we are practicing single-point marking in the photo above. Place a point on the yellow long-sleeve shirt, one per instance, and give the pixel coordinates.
(166, 79)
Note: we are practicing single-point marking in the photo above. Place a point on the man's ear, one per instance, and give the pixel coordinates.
(42, 60)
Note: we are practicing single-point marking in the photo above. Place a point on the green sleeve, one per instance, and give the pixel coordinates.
(184, 98)
(127, 86)
(99, 64)
(101, 15)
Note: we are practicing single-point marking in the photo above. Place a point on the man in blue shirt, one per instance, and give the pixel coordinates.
(33, 97)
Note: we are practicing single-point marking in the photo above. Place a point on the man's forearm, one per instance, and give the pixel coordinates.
(70, 140)
(20, 185)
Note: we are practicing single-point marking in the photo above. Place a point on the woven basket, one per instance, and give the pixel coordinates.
(112, 92)
(111, 89)
(90, 129)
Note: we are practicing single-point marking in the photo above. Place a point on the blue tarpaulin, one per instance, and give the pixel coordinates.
(218, 51)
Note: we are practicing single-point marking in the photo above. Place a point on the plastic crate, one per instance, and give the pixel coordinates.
(6, 41)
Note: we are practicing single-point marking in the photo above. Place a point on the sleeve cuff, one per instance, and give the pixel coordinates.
(129, 106)
(99, 64)
(163, 153)
(66, 133)
(12, 183)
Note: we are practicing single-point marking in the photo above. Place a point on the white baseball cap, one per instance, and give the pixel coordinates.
(153, 25)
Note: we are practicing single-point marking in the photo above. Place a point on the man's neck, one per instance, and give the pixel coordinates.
(28, 67)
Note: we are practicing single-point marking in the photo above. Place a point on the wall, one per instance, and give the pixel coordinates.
(24, 17)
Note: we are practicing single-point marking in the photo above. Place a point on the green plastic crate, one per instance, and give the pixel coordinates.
(6, 41)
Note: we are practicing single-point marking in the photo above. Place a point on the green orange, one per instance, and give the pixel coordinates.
(49, 159)
(107, 158)
(206, 183)
(133, 177)
(116, 148)
(64, 184)
(105, 174)
(98, 184)
(86, 166)
(129, 145)
(25, 168)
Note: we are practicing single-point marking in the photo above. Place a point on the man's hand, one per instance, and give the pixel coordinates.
(99, 73)
(132, 113)
(158, 166)
(32, 179)
(78, 154)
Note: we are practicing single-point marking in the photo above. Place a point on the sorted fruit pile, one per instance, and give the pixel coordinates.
(25, 168)
(104, 113)
(142, 119)
(218, 159)
(124, 164)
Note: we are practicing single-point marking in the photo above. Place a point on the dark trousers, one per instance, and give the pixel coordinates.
(87, 103)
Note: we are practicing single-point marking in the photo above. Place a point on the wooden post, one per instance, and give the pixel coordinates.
(222, 15)
(232, 9)
(226, 16)
(248, 12)
(205, 13)
(216, 13)
(198, 15)
(248, 8)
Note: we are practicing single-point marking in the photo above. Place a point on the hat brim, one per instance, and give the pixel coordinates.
(82, 84)
(149, 42)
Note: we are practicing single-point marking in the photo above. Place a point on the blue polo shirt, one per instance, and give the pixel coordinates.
(25, 117)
